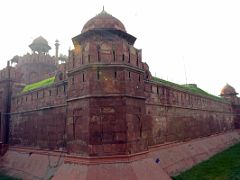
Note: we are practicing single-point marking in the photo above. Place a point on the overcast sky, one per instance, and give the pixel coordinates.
(202, 35)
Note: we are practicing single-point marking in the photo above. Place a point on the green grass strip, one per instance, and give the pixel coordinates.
(39, 84)
(5, 177)
(223, 166)
(189, 88)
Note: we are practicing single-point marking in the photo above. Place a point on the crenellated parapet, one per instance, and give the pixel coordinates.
(36, 59)
(10, 73)
(97, 50)
(43, 97)
(35, 67)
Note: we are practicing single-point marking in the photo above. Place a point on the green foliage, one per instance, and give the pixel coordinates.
(223, 166)
(5, 177)
(39, 84)
(189, 88)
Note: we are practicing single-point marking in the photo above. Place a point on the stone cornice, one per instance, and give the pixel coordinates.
(101, 65)
(104, 96)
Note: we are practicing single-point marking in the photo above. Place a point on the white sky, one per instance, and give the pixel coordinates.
(202, 34)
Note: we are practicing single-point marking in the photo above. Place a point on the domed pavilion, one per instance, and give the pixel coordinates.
(40, 45)
(228, 91)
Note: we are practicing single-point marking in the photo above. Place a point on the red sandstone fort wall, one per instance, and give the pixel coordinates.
(180, 116)
(3, 108)
(105, 103)
(110, 77)
(107, 125)
(38, 118)
(106, 98)
(109, 104)
(10, 72)
(8, 76)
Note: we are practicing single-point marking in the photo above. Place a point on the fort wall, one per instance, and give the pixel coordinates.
(107, 102)
(8, 76)
(111, 106)
(105, 109)
(178, 115)
(10, 73)
(35, 67)
(38, 118)
(165, 113)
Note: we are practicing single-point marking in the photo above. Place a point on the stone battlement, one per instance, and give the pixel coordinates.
(37, 58)
(10, 73)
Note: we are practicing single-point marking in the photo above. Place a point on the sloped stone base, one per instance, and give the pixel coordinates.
(178, 157)
(136, 170)
(159, 162)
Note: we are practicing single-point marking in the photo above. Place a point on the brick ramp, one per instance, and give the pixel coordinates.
(137, 170)
(157, 163)
(178, 157)
(30, 165)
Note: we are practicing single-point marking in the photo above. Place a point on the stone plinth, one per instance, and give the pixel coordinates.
(158, 162)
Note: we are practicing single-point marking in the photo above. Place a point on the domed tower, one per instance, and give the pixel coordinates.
(229, 93)
(37, 65)
(106, 90)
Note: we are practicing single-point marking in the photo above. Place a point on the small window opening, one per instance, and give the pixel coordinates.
(98, 54)
(64, 88)
(137, 61)
(82, 57)
(73, 59)
(129, 56)
(98, 75)
(139, 109)
(72, 80)
(89, 58)
(114, 56)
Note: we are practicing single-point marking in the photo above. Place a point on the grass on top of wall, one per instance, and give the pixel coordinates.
(39, 84)
(223, 166)
(188, 87)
